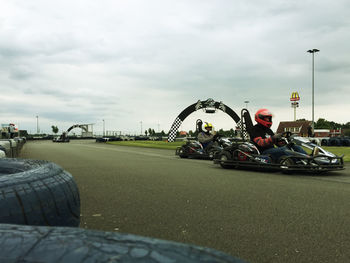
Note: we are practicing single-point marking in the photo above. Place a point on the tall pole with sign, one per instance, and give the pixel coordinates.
(313, 51)
(295, 103)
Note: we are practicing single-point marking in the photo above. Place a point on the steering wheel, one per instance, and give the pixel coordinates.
(286, 139)
(217, 136)
(286, 134)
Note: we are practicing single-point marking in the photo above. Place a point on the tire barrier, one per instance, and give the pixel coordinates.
(324, 142)
(345, 142)
(62, 244)
(334, 142)
(2, 152)
(34, 192)
(6, 147)
(12, 146)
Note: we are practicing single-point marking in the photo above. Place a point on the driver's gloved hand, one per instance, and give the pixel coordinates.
(277, 137)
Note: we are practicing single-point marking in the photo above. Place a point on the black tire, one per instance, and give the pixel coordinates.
(344, 142)
(2, 149)
(285, 161)
(334, 142)
(62, 244)
(211, 154)
(225, 156)
(324, 142)
(36, 192)
(183, 153)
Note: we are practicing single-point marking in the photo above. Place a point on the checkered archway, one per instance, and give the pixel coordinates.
(209, 106)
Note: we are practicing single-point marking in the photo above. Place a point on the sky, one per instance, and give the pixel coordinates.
(137, 64)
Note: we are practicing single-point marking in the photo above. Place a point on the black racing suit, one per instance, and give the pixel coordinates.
(261, 136)
(206, 139)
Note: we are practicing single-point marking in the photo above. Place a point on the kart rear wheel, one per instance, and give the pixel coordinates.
(182, 152)
(225, 156)
(212, 153)
(286, 162)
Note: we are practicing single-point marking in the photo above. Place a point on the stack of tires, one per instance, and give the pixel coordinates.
(2, 152)
(336, 141)
(36, 192)
(5, 148)
(339, 142)
(40, 213)
(345, 142)
(11, 147)
(324, 142)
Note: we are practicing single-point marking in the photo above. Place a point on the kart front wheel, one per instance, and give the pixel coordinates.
(225, 156)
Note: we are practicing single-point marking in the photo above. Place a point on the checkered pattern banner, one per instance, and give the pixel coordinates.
(208, 106)
(173, 130)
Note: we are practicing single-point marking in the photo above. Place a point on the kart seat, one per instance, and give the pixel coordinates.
(247, 122)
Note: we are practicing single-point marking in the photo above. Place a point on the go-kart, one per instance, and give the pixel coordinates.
(194, 149)
(62, 138)
(246, 155)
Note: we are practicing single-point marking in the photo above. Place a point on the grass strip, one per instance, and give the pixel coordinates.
(339, 151)
(149, 144)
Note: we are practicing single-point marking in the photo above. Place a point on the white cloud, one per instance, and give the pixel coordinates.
(132, 61)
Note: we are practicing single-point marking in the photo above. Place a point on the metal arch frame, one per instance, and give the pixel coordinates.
(84, 127)
(209, 105)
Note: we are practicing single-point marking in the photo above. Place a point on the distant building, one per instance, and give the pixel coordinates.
(336, 133)
(183, 133)
(295, 127)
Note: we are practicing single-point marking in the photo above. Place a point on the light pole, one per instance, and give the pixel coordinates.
(103, 128)
(246, 103)
(313, 51)
(37, 124)
(141, 127)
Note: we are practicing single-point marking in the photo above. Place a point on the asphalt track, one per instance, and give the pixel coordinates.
(255, 216)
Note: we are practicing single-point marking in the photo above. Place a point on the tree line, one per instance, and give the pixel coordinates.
(324, 124)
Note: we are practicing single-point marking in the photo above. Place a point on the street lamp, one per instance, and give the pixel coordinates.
(141, 127)
(246, 103)
(313, 51)
(103, 128)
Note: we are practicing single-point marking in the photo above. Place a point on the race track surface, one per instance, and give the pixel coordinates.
(255, 216)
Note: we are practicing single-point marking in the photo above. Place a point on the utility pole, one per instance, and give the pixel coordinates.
(103, 128)
(37, 124)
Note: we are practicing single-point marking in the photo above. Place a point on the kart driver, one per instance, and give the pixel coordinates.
(264, 138)
(207, 138)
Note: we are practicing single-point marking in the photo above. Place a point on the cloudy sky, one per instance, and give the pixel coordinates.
(136, 61)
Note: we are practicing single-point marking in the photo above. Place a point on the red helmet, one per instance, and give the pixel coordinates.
(264, 117)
